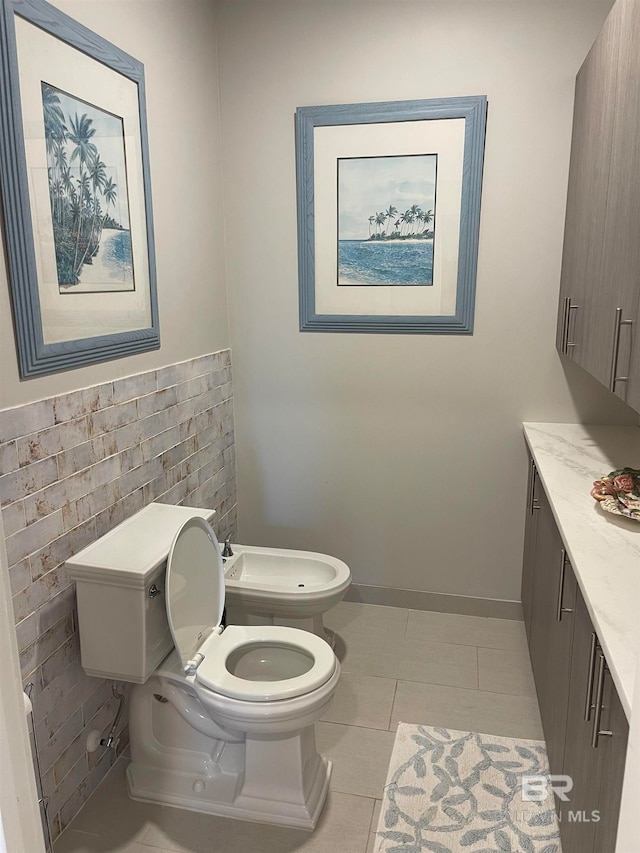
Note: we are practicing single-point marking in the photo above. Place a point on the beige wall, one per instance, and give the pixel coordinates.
(402, 455)
(175, 39)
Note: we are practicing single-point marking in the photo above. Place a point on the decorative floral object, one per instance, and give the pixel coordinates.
(619, 492)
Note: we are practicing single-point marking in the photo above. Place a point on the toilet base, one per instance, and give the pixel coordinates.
(171, 788)
(270, 778)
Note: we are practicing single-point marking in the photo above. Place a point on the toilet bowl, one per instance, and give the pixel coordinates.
(224, 722)
(276, 586)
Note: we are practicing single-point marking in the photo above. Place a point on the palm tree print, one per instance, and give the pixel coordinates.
(412, 224)
(82, 187)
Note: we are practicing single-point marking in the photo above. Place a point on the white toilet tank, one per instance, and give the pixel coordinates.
(124, 633)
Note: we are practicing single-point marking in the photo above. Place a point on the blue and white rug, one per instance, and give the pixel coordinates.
(462, 792)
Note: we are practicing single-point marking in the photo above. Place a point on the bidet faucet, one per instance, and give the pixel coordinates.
(226, 551)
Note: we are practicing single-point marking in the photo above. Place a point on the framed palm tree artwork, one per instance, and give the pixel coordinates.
(76, 192)
(388, 215)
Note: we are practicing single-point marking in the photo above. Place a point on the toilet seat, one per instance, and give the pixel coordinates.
(250, 663)
(218, 650)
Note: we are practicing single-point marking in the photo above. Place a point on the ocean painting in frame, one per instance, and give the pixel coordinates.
(386, 220)
(88, 194)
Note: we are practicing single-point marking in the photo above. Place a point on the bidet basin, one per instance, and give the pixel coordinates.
(282, 586)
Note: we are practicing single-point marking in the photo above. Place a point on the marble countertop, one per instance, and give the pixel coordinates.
(604, 549)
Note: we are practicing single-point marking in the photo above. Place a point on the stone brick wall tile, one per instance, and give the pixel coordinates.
(27, 632)
(73, 786)
(13, 518)
(20, 576)
(73, 753)
(53, 555)
(47, 644)
(113, 417)
(30, 539)
(60, 660)
(134, 386)
(81, 456)
(25, 481)
(127, 436)
(174, 374)
(48, 442)
(106, 495)
(110, 518)
(8, 457)
(137, 477)
(50, 499)
(150, 404)
(75, 512)
(63, 685)
(53, 748)
(106, 470)
(158, 444)
(23, 420)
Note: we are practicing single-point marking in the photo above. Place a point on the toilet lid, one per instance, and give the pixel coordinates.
(195, 586)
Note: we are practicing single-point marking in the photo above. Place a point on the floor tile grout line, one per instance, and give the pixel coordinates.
(406, 624)
(373, 807)
(393, 702)
(456, 687)
(435, 683)
(442, 642)
(352, 726)
(356, 672)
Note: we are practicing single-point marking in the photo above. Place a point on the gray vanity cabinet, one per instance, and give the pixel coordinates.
(614, 756)
(550, 636)
(595, 747)
(600, 284)
(581, 762)
(584, 724)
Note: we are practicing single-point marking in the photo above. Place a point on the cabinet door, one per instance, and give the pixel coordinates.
(589, 821)
(611, 306)
(581, 761)
(622, 228)
(553, 600)
(587, 192)
(633, 385)
(614, 753)
(528, 558)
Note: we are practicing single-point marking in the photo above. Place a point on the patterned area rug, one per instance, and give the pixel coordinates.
(462, 792)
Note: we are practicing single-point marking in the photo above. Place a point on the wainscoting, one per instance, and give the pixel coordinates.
(71, 468)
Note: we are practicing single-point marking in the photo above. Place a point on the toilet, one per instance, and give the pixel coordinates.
(221, 720)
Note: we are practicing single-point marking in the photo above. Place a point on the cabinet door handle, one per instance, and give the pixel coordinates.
(564, 327)
(568, 343)
(567, 308)
(619, 322)
(588, 702)
(560, 609)
(597, 732)
(531, 498)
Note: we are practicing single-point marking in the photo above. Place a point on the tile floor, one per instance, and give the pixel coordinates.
(461, 672)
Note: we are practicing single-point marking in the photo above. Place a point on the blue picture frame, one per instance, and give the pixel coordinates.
(36, 356)
(473, 110)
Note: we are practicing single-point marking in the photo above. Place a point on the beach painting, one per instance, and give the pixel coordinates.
(386, 220)
(87, 178)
